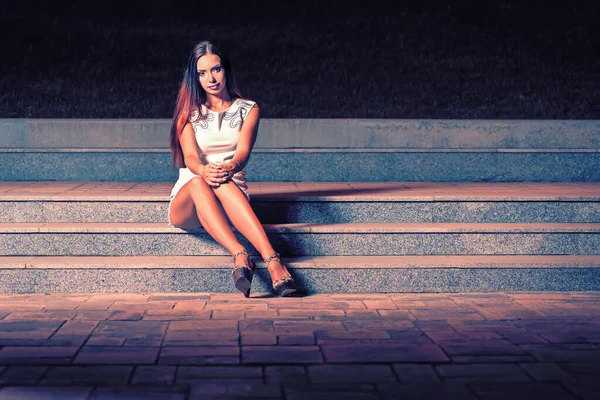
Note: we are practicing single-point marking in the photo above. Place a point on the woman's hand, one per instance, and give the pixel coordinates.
(214, 175)
(231, 167)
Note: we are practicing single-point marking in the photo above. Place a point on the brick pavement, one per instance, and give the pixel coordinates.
(341, 346)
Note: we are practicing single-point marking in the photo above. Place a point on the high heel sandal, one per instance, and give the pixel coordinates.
(242, 274)
(284, 286)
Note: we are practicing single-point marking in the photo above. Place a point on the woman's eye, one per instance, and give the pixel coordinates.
(218, 69)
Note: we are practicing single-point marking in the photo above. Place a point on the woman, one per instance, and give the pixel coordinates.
(212, 135)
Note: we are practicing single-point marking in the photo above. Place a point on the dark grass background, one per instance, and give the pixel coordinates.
(330, 59)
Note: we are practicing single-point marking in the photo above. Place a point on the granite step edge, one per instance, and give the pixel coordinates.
(305, 262)
(346, 228)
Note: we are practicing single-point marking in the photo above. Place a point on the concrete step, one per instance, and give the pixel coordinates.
(313, 202)
(314, 165)
(306, 239)
(306, 133)
(340, 274)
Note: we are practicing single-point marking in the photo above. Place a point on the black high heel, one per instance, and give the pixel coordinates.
(242, 274)
(284, 286)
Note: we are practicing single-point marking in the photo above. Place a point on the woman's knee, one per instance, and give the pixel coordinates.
(198, 184)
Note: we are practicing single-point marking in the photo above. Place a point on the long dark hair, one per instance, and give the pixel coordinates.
(192, 95)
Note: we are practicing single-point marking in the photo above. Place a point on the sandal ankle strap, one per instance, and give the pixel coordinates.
(243, 251)
(270, 258)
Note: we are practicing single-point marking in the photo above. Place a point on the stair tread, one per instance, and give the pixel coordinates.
(378, 227)
(336, 262)
(312, 191)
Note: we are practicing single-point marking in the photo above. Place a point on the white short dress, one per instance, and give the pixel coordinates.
(217, 135)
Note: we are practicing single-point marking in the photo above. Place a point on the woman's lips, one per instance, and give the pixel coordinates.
(214, 87)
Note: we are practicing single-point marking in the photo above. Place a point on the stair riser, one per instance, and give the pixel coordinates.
(315, 167)
(301, 244)
(307, 132)
(313, 212)
(314, 281)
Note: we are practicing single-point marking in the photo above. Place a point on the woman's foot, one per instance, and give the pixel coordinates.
(243, 272)
(283, 283)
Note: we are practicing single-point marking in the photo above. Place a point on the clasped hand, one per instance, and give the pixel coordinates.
(215, 175)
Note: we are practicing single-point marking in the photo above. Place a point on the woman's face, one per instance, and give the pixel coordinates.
(211, 73)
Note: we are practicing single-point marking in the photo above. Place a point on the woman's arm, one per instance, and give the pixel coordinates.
(190, 150)
(247, 139)
(212, 174)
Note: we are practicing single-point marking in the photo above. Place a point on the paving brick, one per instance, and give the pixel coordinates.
(281, 354)
(20, 375)
(521, 336)
(193, 373)
(407, 304)
(562, 335)
(235, 305)
(241, 390)
(582, 371)
(262, 314)
(542, 372)
(28, 329)
(92, 374)
(388, 324)
(105, 341)
(141, 306)
(464, 336)
(228, 314)
(135, 333)
(416, 373)
(520, 391)
(296, 340)
(383, 353)
(95, 305)
(39, 315)
(135, 392)
(495, 372)
(429, 391)
(433, 326)
(77, 328)
(560, 353)
(362, 314)
(428, 314)
(355, 373)
(477, 347)
(122, 315)
(154, 375)
(258, 338)
(305, 326)
(116, 355)
(304, 314)
(331, 391)
(178, 314)
(286, 374)
(382, 304)
(37, 355)
(179, 297)
(354, 334)
(45, 392)
(253, 325)
(396, 314)
(491, 359)
(92, 315)
(200, 355)
(319, 305)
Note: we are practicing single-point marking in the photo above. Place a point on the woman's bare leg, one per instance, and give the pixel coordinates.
(244, 219)
(196, 204)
